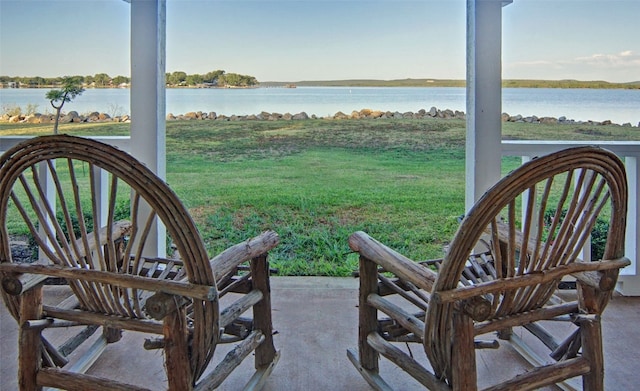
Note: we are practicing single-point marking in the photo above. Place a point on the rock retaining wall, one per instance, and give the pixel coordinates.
(434, 112)
(72, 116)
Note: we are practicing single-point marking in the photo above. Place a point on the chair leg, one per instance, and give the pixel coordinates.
(176, 351)
(592, 351)
(261, 375)
(29, 340)
(266, 351)
(375, 381)
(112, 335)
(368, 315)
(463, 356)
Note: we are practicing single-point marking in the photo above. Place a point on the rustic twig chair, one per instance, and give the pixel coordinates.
(502, 270)
(116, 282)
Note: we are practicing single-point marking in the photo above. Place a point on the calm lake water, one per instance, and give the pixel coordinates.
(619, 106)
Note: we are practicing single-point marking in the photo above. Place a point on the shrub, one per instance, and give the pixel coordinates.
(32, 108)
(11, 109)
(599, 239)
(598, 233)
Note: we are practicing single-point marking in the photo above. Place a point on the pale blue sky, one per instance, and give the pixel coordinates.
(324, 39)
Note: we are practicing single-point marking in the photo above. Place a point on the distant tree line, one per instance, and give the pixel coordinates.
(98, 80)
(218, 78)
(601, 84)
(506, 83)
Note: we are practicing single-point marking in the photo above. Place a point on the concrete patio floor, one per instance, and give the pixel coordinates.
(316, 321)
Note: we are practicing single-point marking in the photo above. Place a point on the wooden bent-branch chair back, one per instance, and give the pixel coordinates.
(93, 211)
(502, 270)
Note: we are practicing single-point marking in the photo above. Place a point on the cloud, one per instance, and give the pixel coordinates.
(620, 60)
(531, 63)
(535, 64)
(616, 67)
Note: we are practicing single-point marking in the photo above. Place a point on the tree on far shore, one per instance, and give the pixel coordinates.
(101, 79)
(176, 78)
(71, 87)
(236, 80)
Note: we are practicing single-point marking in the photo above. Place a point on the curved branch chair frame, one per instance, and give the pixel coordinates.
(502, 270)
(114, 283)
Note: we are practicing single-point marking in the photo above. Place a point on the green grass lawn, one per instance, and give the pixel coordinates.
(317, 181)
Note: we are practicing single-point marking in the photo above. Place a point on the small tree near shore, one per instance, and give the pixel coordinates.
(71, 87)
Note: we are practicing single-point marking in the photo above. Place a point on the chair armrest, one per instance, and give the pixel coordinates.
(225, 262)
(16, 284)
(180, 288)
(118, 230)
(603, 279)
(392, 261)
(503, 236)
(534, 278)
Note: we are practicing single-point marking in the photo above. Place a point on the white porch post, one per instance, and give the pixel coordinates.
(148, 22)
(629, 280)
(484, 96)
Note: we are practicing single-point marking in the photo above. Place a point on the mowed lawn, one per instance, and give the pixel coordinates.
(317, 181)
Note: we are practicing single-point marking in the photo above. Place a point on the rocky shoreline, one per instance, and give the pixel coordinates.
(74, 117)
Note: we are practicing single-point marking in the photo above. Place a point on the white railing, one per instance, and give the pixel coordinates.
(121, 142)
(629, 151)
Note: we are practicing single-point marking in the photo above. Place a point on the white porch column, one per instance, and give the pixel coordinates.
(629, 280)
(484, 96)
(148, 22)
(49, 189)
